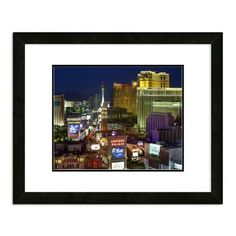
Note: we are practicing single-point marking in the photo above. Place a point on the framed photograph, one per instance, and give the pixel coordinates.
(117, 118)
(129, 117)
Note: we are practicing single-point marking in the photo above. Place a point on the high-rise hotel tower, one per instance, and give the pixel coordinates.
(155, 95)
(124, 96)
(59, 110)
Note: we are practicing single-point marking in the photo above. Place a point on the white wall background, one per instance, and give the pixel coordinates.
(122, 15)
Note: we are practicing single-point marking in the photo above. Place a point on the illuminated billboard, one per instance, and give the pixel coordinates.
(118, 142)
(73, 120)
(74, 129)
(135, 154)
(95, 147)
(118, 165)
(118, 152)
(154, 149)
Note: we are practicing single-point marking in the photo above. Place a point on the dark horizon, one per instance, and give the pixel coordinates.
(81, 82)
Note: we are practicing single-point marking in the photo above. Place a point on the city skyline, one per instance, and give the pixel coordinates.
(72, 80)
(122, 117)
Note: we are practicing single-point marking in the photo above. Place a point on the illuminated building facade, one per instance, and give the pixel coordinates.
(152, 79)
(97, 101)
(104, 119)
(171, 135)
(155, 95)
(147, 99)
(59, 116)
(91, 102)
(124, 96)
(69, 104)
(159, 121)
(160, 127)
(172, 107)
(174, 157)
(117, 113)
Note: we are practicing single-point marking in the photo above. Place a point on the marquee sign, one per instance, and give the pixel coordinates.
(117, 151)
(118, 142)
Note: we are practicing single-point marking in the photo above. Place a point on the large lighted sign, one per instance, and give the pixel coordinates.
(118, 152)
(68, 163)
(74, 129)
(135, 154)
(118, 165)
(117, 142)
(154, 149)
(74, 120)
(95, 147)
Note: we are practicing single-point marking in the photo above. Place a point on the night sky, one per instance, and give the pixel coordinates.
(81, 82)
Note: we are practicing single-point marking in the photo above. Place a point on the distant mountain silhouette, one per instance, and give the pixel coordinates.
(72, 96)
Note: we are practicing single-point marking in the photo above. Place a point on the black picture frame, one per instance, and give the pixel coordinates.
(215, 196)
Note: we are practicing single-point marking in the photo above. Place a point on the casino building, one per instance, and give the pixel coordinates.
(155, 95)
(152, 79)
(59, 116)
(124, 96)
(160, 127)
